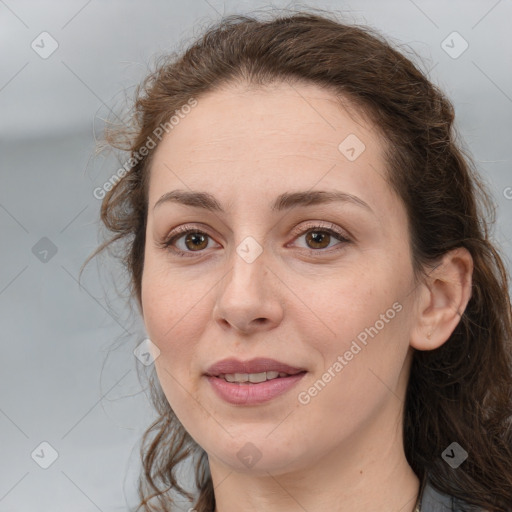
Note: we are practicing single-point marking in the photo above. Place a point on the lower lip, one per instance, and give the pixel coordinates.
(253, 393)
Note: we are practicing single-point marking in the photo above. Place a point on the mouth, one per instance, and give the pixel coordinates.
(255, 370)
(247, 393)
(252, 382)
(254, 378)
(254, 388)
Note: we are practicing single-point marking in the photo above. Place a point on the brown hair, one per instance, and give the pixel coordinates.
(458, 392)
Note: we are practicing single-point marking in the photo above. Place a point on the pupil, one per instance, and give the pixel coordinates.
(317, 237)
(194, 238)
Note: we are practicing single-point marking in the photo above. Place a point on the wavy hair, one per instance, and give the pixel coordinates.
(461, 391)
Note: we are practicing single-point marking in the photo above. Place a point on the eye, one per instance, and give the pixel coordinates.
(318, 237)
(194, 240)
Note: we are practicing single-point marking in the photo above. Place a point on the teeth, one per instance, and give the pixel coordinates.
(252, 377)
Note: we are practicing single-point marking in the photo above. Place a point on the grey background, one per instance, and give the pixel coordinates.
(68, 375)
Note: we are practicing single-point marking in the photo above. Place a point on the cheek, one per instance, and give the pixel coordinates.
(350, 300)
(166, 296)
(171, 319)
(361, 362)
(361, 316)
(171, 322)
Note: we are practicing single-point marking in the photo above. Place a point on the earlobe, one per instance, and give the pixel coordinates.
(442, 300)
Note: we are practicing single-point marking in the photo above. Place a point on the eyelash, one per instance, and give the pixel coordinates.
(184, 230)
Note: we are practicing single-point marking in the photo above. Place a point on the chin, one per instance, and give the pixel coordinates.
(259, 458)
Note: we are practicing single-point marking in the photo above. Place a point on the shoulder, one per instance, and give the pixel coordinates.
(433, 500)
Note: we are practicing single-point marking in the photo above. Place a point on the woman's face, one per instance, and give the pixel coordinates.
(266, 280)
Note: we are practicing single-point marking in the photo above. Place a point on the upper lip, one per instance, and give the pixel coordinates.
(257, 365)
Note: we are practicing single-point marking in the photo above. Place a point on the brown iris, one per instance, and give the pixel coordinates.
(196, 239)
(317, 237)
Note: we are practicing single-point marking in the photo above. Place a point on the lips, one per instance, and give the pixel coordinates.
(257, 365)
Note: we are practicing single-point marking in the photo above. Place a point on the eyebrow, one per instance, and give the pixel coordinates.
(285, 201)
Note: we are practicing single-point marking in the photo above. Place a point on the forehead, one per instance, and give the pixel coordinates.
(278, 137)
(306, 119)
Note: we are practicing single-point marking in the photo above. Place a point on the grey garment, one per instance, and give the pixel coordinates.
(433, 500)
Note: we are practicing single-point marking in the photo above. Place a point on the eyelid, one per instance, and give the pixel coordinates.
(320, 225)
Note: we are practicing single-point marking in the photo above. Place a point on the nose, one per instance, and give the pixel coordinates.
(248, 297)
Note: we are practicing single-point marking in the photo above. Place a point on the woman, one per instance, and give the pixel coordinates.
(330, 323)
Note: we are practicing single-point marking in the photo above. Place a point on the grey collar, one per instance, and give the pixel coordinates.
(433, 500)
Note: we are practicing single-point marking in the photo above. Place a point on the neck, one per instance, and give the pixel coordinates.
(367, 473)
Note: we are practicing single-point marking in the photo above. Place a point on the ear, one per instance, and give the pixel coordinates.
(441, 299)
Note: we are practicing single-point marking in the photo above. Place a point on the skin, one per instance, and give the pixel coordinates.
(343, 450)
